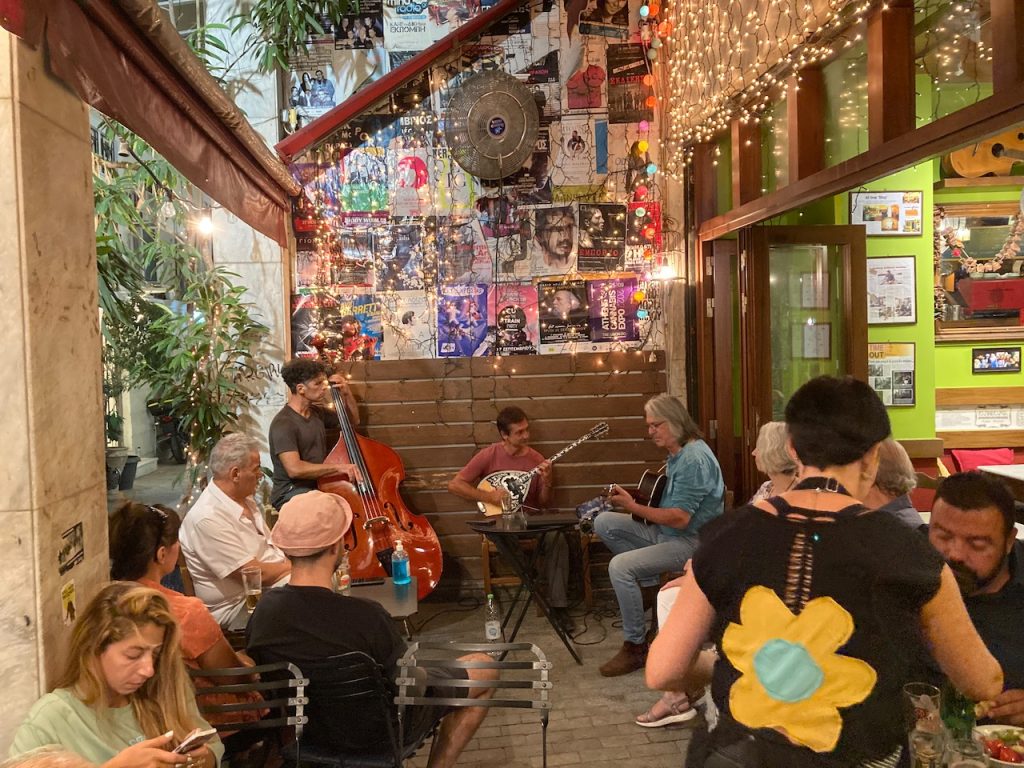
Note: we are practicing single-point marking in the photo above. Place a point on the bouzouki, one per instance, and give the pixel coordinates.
(517, 483)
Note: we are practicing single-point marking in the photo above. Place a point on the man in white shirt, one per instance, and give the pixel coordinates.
(224, 531)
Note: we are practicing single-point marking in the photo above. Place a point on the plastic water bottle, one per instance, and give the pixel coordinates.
(343, 575)
(492, 624)
(400, 565)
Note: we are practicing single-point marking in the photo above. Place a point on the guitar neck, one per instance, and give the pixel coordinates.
(562, 453)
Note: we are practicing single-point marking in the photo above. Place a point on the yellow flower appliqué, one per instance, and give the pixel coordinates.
(792, 678)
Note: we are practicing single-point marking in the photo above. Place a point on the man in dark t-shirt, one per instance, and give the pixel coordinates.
(972, 527)
(298, 436)
(306, 623)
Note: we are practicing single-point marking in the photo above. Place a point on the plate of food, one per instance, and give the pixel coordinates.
(1004, 744)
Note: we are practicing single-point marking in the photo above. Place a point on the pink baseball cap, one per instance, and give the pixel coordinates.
(311, 522)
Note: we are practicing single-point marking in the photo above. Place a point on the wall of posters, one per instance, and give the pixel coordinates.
(514, 309)
(887, 213)
(892, 287)
(462, 321)
(564, 311)
(891, 373)
(613, 308)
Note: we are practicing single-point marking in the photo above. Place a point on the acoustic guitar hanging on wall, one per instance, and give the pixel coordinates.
(996, 155)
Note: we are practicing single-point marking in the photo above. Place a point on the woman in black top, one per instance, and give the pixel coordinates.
(818, 607)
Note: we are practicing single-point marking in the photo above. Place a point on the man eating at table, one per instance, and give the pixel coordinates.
(972, 527)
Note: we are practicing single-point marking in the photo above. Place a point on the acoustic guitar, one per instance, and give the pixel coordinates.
(647, 492)
(996, 155)
(517, 483)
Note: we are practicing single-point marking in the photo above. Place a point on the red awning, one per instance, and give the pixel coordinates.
(125, 59)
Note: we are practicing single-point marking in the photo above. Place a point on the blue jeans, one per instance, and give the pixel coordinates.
(641, 553)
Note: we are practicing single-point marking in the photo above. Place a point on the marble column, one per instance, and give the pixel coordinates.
(51, 476)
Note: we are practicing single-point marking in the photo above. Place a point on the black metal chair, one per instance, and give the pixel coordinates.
(282, 687)
(523, 682)
(351, 716)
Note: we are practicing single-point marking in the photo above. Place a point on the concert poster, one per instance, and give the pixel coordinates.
(515, 23)
(552, 241)
(602, 236)
(311, 270)
(413, 25)
(627, 94)
(408, 321)
(637, 239)
(410, 176)
(462, 320)
(455, 191)
(511, 255)
(608, 18)
(353, 329)
(514, 309)
(576, 161)
(650, 313)
(542, 78)
(363, 180)
(613, 308)
(361, 30)
(309, 308)
(403, 258)
(463, 256)
(531, 184)
(564, 311)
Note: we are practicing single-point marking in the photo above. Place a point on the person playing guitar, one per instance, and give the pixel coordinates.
(513, 452)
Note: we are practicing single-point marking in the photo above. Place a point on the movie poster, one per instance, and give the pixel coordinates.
(513, 308)
(564, 312)
(462, 321)
(404, 260)
(627, 94)
(613, 308)
(602, 237)
(552, 241)
(408, 322)
(411, 182)
(608, 18)
(463, 256)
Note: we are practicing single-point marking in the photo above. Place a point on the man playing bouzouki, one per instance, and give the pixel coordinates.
(513, 452)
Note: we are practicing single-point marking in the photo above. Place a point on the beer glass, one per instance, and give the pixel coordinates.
(252, 582)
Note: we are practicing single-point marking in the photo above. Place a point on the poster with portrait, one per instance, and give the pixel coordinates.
(462, 252)
(361, 30)
(602, 237)
(627, 92)
(892, 287)
(608, 18)
(310, 310)
(887, 213)
(552, 240)
(564, 313)
(891, 372)
(514, 311)
(353, 330)
(410, 179)
(404, 258)
(575, 163)
(461, 320)
(408, 323)
(613, 308)
(542, 78)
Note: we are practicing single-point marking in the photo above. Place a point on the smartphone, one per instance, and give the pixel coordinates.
(196, 739)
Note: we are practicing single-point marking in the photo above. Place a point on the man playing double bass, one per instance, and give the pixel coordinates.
(298, 433)
(513, 452)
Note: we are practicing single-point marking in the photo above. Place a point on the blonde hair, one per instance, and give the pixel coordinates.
(773, 456)
(167, 699)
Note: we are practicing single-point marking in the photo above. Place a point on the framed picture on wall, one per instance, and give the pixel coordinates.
(995, 360)
(892, 291)
(887, 213)
(892, 373)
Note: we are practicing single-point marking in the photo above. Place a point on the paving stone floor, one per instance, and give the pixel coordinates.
(591, 718)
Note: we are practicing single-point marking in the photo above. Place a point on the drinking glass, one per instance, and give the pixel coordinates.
(921, 707)
(964, 753)
(925, 749)
(252, 583)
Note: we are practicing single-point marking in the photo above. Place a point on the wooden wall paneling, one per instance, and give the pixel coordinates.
(746, 162)
(983, 438)
(805, 117)
(1007, 25)
(891, 91)
(979, 396)
(705, 183)
(437, 413)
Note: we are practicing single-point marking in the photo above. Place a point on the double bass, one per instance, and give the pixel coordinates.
(380, 517)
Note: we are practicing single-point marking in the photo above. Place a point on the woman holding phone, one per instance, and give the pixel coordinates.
(124, 699)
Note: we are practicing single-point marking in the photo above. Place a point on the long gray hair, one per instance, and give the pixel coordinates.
(671, 410)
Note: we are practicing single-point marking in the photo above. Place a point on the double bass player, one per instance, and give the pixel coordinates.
(298, 435)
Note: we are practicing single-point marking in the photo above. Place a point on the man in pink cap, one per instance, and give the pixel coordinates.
(306, 622)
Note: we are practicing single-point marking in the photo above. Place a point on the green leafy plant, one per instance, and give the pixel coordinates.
(275, 31)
